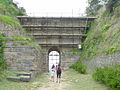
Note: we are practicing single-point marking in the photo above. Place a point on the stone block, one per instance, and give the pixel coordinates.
(18, 79)
(25, 78)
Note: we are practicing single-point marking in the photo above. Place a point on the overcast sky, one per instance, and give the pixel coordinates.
(54, 8)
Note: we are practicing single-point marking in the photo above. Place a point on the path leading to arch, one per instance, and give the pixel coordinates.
(71, 80)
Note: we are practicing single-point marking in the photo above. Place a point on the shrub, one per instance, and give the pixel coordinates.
(110, 76)
(112, 48)
(78, 66)
(8, 20)
(105, 27)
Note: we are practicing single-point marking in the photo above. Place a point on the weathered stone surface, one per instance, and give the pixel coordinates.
(19, 56)
(59, 34)
(66, 35)
(102, 60)
(25, 78)
(24, 74)
(20, 79)
(16, 79)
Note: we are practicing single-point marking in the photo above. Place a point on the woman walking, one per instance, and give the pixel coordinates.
(59, 71)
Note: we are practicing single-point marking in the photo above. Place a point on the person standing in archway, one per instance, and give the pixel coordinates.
(52, 73)
(59, 71)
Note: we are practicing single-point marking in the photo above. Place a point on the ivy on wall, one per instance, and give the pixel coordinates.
(2, 45)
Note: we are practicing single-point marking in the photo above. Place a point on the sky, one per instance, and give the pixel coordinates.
(54, 8)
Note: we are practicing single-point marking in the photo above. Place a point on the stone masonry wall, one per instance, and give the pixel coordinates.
(20, 57)
(23, 57)
(102, 60)
(67, 58)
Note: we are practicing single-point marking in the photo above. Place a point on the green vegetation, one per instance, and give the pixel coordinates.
(77, 81)
(2, 60)
(32, 85)
(21, 38)
(9, 20)
(8, 11)
(28, 41)
(106, 27)
(109, 76)
(71, 80)
(7, 7)
(95, 5)
(78, 66)
(102, 37)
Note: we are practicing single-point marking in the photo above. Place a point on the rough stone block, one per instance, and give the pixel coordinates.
(16, 79)
(24, 73)
(25, 78)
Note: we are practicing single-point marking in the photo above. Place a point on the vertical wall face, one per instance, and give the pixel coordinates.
(64, 33)
(18, 55)
(67, 58)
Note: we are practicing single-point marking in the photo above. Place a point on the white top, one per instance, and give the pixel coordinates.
(52, 72)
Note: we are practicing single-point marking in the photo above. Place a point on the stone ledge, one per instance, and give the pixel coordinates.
(24, 73)
(19, 79)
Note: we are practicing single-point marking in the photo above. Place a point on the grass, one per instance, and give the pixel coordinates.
(71, 80)
(28, 39)
(32, 85)
(9, 20)
(102, 37)
(79, 81)
(21, 38)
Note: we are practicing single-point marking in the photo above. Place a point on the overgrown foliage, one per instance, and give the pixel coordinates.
(78, 66)
(103, 35)
(21, 38)
(8, 7)
(27, 41)
(9, 20)
(109, 76)
(95, 5)
(112, 4)
(2, 60)
(8, 11)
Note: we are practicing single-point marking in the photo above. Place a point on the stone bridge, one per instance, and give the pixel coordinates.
(61, 34)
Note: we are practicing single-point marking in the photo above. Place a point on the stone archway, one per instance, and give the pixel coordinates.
(54, 57)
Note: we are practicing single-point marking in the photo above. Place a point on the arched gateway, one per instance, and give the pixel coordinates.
(57, 36)
(54, 57)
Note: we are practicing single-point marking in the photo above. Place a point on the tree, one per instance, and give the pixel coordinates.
(111, 4)
(94, 5)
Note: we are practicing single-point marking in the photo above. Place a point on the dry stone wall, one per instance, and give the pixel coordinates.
(20, 57)
(102, 60)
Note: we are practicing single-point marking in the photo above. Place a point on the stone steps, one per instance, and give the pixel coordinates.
(21, 77)
(24, 74)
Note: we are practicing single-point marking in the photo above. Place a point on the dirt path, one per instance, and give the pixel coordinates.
(71, 80)
(50, 85)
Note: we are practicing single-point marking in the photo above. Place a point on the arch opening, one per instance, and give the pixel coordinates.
(54, 58)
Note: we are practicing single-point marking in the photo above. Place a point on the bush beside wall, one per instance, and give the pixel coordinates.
(78, 66)
(109, 76)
